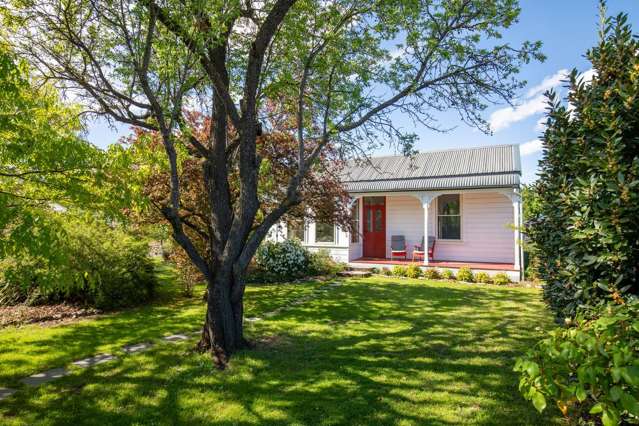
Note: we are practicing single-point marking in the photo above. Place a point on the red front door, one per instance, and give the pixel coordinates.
(375, 227)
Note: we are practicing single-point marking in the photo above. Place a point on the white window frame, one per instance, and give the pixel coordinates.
(461, 218)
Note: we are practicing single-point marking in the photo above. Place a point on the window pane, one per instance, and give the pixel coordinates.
(448, 204)
(324, 233)
(295, 229)
(369, 220)
(449, 227)
(378, 220)
(355, 219)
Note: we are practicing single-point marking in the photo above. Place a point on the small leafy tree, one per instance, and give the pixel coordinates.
(44, 165)
(585, 228)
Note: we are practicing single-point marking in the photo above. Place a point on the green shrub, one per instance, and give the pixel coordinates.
(376, 271)
(447, 274)
(585, 230)
(432, 274)
(413, 271)
(501, 278)
(399, 271)
(465, 274)
(283, 261)
(321, 263)
(388, 272)
(589, 369)
(482, 277)
(107, 268)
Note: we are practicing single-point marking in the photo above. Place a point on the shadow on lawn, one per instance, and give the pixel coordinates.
(366, 353)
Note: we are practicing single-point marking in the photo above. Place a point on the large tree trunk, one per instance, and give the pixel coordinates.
(223, 331)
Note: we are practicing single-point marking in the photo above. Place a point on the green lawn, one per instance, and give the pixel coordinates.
(373, 351)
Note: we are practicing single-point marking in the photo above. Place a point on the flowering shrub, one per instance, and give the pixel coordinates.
(413, 271)
(465, 274)
(589, 369)
(283, 261)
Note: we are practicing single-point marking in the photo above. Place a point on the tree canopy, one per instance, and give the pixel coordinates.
(335, 72)
(43, 163)
(584, 224)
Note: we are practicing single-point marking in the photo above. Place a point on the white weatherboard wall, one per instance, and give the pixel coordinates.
(405, 216)
(487, 234)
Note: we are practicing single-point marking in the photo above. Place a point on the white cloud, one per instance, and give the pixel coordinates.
(587, 76)
(530, 147)
(548, 83)
(503, 118)
(540, 126)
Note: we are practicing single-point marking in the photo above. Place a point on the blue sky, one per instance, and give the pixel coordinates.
(567, 29)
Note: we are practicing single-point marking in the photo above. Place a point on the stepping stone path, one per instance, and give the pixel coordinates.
(55, 373)
(94, 360)
(175, 338)
(138, 347)
(45, 376)
(6, 393)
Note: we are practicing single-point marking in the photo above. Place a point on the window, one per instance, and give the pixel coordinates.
(324, 232)
(295, 229)
(355, 221)
(449, 217)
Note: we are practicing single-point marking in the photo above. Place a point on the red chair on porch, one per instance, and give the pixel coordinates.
(418, 250)
(398, 247)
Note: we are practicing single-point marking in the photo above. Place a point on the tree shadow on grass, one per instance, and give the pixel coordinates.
(366, 353)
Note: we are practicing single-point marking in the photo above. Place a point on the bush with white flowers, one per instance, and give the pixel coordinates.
(283, 260)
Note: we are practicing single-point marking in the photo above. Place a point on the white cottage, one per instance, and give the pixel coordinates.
(464, 203)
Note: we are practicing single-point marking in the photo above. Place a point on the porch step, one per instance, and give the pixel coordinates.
(354, 274)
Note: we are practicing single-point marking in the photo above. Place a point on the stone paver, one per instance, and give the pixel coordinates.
(45, 376)
(94, 360)
(175, 338)
(6, 393)
(137, 347)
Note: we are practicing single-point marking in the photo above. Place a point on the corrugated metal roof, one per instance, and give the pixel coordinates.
(482, 167)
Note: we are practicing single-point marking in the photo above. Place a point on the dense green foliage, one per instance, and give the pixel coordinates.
(482, 277)
(447, 274)
(432, 273)
(103, 266)
(400, 271)
(289, 260)
(590, 368)
(413, 271)
(585, 226)
(501, 278)
(465, 274)
(43, 162)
